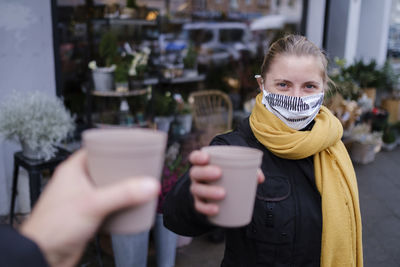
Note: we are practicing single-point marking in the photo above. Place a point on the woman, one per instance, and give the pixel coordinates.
(307, 211)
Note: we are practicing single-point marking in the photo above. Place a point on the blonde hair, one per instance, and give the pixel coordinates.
(299, 46)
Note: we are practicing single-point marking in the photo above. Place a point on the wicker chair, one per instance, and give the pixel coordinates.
(212, 111)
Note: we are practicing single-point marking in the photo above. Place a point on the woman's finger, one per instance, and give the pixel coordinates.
(207, 192)
(260, 176)
(198, 157)
(208, 209)
(207, 173)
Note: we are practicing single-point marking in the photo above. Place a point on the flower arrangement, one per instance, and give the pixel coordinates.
(362, 133)
(175, 166)
(363, 75)
(37, 121)
(139, 63)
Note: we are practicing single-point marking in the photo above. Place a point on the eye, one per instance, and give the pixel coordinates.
(311, 86)
(282, 84)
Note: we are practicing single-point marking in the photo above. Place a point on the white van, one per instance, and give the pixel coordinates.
(217, 42)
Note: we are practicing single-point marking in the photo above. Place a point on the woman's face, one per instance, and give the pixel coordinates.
(294, 76)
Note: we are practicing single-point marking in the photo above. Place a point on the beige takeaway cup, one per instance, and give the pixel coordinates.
(239, 179)
(116, 154)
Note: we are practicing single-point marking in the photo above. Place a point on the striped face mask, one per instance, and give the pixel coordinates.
(295, 112)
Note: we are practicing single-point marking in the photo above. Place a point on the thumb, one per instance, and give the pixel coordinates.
(125, 194)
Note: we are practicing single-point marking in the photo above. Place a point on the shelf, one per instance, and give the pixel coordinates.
(127, 21)
(116, 126)
(198, 78)
(120, 94)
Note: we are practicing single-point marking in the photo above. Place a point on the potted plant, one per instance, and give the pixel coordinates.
(164, 108)
(190, 62)
(103, 77)
(121, 74)
(364, 144)
(344, 84)
(184, 114)
(129, 11)
(368, 76)
(389, 138)
(392, 103)
(37, 121)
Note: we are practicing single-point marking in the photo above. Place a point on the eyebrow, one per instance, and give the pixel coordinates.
(282, 80)
(287, 81)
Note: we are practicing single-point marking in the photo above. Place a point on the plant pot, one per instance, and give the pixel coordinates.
(190, 73)
(163, 122)
(30, 153)
(362, 153)
(135, 82)
(103, 79)
(121, 87)
(128, 12)
(389, 147)
(393, 107)
(185, 120)
(371, 93)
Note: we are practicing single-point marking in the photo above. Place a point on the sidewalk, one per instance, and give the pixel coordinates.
(379, 188)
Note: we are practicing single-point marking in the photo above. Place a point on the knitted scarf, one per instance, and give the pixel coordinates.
(334, 177)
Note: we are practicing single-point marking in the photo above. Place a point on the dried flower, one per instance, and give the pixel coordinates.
(38, 120)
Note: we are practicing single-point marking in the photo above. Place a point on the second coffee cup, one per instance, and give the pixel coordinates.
(239, 179)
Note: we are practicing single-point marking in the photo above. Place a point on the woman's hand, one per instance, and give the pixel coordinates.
(201, 174)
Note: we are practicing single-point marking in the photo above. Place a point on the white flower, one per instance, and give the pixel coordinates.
(139, 58)
(92, 65)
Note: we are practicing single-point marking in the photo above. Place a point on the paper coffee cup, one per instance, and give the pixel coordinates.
(117, 154)
(239, 179)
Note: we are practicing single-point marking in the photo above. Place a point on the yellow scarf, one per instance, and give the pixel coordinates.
(334, 177)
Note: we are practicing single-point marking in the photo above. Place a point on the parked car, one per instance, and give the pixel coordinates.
(219, 42)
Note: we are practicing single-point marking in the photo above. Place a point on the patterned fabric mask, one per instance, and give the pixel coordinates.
(295, 112)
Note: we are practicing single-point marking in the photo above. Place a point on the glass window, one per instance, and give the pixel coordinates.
(230, 35)
(199, 36)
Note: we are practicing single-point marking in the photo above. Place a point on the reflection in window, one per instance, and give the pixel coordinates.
(230, 35)
(199, 36)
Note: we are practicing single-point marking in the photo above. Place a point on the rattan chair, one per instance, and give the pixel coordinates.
(211, 110)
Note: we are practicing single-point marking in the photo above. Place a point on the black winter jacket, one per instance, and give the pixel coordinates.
(16, 250)
(286, 227)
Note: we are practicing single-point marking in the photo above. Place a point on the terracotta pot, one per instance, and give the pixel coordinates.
(393, 107)
(371, 93)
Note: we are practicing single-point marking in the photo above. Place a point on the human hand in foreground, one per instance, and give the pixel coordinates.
(201, 174)
(71, 209)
